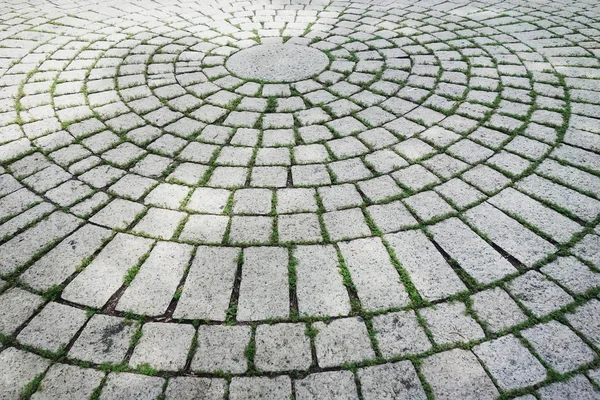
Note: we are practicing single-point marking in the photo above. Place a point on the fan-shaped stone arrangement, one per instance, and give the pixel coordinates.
(299, 199)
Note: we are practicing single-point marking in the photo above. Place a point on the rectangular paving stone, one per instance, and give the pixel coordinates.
(53, 327)
(248, 388)
(319, 285)
(391, 381)
(577, 387)
(16, 307)
(580, 205)
(450, 323)
(17, 202)
(343, 340)
(399, 333)
(193, 388)
(472, 253)
(326, 385)
(18, 368)
(456, 374)
(571, 176)
(282, 347)
(556, 225)
(376, 279)
(126, 385)
(497, 309)
(105, 274)
(509, 234)
(63, 260)
(222, 348)
(426, 267)
(22, 247)
(510, 363)
(538, 293)
(68, 382)
(105, 339)
(118, 214)
(560, 347)
(208, 286)
(163, 346)
(584, 320)
(13, 225)
(154, 285)
(264, 291)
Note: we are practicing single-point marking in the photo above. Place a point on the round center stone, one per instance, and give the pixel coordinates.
(277, 62)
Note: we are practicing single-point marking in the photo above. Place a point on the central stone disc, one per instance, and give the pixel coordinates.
(277, 62)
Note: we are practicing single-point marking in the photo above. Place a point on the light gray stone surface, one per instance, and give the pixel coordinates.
(377, 281)
(394, 380)
(53, 328)
(341, 341)
(457, 374)
(327, 385)
(68, 382)
(510, 363)
(221, 348)
(18, 368)
(282, 347)
(277, 63)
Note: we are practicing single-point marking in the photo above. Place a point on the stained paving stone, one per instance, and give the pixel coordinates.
(192, 388)
(68, 382)
(457, 374)
(424, 155)
(64, 259)
(510, 363)
(104, 339)
(163, 346)
(560, 347)
(394, 380)
(399, 333)
(341, 341)
(53, 328)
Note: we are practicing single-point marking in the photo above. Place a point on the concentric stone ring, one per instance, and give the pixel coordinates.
(309, 200)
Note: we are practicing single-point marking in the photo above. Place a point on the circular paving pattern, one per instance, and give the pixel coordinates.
(362, 200)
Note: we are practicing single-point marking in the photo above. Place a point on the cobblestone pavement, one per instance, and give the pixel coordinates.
(307, 200)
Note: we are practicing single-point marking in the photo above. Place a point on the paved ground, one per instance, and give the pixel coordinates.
(316, 200)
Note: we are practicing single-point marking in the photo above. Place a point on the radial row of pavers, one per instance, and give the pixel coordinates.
(300, 199)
